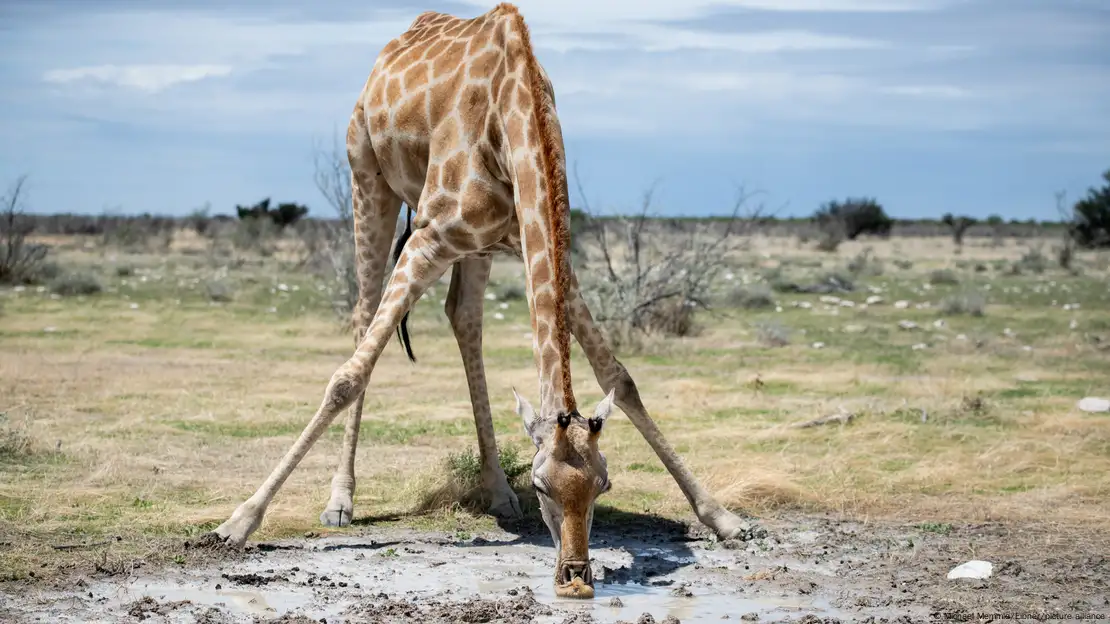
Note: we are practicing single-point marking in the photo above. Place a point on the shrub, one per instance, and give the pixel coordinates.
(969, 303)
(510, 292)
(855, 216)
(943, 277)
(772, 334)
(1090, 220)
(1032, 261)
(75, 284)
(254, 234)
(958, 225)
(753, 297)
(20, 262)
(14, 442)
(284, 215)
(832, 234)
(219, 291)
(864, 264)
(466, 467)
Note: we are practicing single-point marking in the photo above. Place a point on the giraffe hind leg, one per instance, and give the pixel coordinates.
(464, 307)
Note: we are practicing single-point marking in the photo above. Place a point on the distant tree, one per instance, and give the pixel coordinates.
(1089, 226)
(958, 225)
(284, 215)
(853, 217)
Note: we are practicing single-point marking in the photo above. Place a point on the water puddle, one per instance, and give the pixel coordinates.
(325, 582)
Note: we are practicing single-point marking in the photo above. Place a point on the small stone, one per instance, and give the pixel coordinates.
(1094, 404)
(750, 617)
(615, 602)
(974, 569)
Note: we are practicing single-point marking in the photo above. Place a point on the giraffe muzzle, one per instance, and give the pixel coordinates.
(575, 580)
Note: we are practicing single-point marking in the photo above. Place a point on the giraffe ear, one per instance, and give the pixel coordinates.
(602, 412)
(528, 415)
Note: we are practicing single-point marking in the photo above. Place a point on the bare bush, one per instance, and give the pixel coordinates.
(332, 254)
(20, 262)
(641, 279)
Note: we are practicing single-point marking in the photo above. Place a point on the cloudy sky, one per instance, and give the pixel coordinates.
(970, 106)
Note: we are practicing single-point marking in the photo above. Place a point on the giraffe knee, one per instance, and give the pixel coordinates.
(626, 391)
(345, 386)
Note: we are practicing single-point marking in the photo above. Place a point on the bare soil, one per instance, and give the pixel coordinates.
(790, 569)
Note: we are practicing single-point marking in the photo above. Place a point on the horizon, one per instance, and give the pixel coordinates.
(973, 107)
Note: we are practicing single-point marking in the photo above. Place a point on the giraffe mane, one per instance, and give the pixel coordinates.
(556, 203)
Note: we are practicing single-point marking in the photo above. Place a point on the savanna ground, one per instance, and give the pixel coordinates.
(138, 417)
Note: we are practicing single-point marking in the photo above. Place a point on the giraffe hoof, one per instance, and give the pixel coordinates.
(338, 517)
(506, 507)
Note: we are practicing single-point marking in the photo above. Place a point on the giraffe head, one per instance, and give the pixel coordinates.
(569, 474)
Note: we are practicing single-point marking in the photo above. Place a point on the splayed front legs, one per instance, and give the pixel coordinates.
(422, 262)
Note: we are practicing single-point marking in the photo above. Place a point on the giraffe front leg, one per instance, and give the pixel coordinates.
(422, 262)
(374, 210)
(611, 374)
(464, 309)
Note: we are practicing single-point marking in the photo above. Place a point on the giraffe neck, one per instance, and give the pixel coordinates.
(540, 189)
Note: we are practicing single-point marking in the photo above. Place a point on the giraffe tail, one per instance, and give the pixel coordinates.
(403, 328)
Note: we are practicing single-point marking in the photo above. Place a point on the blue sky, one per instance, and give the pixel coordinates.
(969, 106)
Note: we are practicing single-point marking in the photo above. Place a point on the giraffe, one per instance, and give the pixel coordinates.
(458, 120)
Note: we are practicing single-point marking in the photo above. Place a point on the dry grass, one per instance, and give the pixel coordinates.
(149, 412)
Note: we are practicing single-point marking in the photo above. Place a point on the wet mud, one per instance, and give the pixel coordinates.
(812, 570)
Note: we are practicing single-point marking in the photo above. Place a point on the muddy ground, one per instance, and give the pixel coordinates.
(800, 569)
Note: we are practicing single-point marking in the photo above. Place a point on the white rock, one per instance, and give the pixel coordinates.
(1094, 404)
(961, 336)
(805, 305)
(902, 305)
(907, 324)
(503, 305)
(919, 346)
(134, 306)
(974, 569)
(1073, 324)
(281, 287)
(829, 299)
(939, 323)
(499, 316)
(847, 304)
(874, 299)
(491, 296)
(818, 345)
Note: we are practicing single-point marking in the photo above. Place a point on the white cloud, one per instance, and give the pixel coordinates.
(148, 78)
(928, 91)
